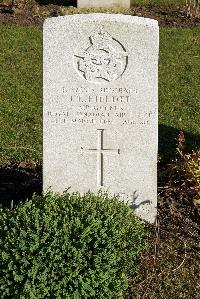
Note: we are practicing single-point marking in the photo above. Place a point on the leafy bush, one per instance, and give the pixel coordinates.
(188, 166)
(68, 246)
(183, 174)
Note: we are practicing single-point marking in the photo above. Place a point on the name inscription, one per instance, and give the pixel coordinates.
(99, 106)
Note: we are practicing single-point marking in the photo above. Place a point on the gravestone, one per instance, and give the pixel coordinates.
(103, 3)
(100, 107)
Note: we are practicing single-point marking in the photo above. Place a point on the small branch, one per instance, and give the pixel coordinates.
(183, 261)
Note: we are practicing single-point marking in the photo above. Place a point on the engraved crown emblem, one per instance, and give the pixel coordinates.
(102, 59)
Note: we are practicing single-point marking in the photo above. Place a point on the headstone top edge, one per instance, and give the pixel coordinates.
(81, 18)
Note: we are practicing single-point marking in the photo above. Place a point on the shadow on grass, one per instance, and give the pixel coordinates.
(19, 182)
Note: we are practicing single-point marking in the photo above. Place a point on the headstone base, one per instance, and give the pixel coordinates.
(103, 3)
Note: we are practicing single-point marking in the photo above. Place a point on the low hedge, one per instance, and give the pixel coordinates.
(68, 246)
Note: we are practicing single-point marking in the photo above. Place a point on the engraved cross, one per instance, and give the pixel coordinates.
(100, 150)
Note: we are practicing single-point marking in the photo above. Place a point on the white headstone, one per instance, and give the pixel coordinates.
(103, 3)
(100, 107)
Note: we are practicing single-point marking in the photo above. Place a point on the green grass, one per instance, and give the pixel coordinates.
(179, 79)
(21, 90)
(21, 93)
(179, 82)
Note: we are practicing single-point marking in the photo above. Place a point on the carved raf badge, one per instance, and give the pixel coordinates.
(103, 58)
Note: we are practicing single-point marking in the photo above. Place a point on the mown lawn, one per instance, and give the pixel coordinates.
(21, 90)
(179, 81)
(21, 93)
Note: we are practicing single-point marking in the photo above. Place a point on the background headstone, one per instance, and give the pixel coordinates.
(103, 3)
(100, 107)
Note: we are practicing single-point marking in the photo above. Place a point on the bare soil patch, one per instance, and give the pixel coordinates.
(36, 14)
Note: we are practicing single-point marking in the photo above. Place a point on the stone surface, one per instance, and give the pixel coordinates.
(103, 3)
(100, 107)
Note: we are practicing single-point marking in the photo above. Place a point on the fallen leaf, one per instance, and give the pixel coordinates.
(196, 201)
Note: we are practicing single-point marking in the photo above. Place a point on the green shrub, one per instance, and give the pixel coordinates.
(68, 246)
